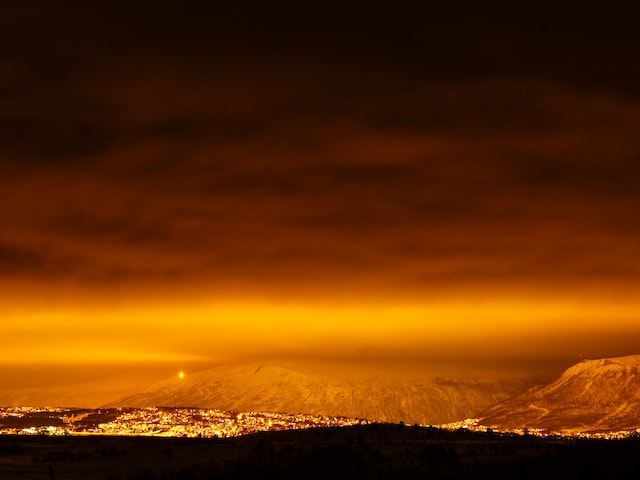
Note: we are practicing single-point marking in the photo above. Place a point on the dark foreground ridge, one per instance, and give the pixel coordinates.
(372, 451)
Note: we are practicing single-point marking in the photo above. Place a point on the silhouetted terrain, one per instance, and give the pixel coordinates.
(595, 395)
(373, 451)
(377, 397)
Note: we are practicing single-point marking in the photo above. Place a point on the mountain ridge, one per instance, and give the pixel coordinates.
(378, 397)
(593, 395)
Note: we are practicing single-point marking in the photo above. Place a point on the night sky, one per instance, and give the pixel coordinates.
(199, 181)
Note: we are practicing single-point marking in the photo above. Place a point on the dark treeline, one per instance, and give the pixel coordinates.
(373, 451)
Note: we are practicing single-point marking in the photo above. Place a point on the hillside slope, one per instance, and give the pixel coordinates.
(265, 387)
(590, 396)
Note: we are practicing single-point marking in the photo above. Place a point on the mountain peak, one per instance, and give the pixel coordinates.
(592, 395)
(273, 387)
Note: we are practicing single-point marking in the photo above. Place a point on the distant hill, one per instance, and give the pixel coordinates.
(590, 396)
(383, 397)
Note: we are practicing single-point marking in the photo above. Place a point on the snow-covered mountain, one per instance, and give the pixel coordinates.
(382, 397)
(595, 395)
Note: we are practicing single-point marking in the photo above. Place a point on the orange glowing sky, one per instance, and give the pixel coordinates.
(190, 187)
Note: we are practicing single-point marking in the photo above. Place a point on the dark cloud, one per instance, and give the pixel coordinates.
(40, 261)
(576, 41)
(15, 259)
(47, 140)
(320, 146)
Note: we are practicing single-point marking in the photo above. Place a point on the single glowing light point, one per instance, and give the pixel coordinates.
(181, 375)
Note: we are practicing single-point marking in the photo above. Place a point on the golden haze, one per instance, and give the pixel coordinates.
(219, 331)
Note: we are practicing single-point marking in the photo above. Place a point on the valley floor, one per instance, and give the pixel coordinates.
(371, 451)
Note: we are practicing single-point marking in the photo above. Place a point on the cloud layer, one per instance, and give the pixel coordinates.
(319, 154)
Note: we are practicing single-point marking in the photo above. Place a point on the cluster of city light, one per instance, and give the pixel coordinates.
(163, 422)
(211, 423)
(474, 425)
